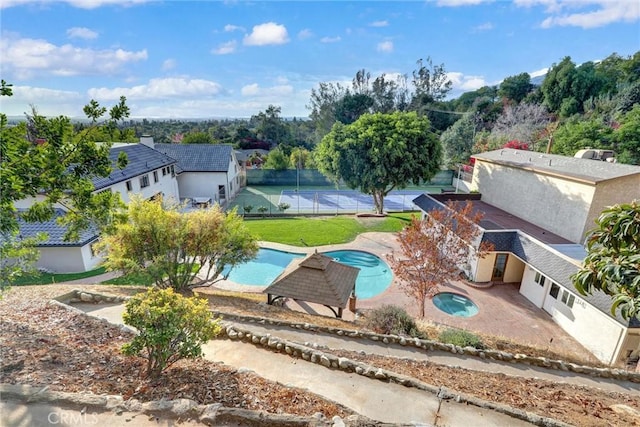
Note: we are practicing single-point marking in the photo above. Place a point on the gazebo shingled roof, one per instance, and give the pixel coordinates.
(316, 278)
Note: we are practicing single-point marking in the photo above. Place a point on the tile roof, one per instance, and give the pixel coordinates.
(199, 157)
(140, 160)
(592, 171)
(55, 232)
(316, 278)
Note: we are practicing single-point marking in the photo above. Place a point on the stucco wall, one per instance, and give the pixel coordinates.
(67, 259)
(166, 184)
(607, 193)
(202, 184)
(484, 268)
(532, 290)
(555, 204)
(596, 331)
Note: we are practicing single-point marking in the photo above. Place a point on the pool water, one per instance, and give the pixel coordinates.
(455, 304)
(374, 277)
(263, 269)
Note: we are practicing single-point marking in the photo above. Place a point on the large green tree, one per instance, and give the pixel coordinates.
(457, 141)
(613, 261)
(516, 88)
(43, 159)
(176, 249)
(380, 152)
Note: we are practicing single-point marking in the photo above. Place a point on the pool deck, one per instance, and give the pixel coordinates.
(503, 311)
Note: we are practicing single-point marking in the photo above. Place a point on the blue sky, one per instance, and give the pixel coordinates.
(199, 59)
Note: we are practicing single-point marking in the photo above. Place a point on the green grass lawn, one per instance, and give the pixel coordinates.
(49, 278)
(320, 231)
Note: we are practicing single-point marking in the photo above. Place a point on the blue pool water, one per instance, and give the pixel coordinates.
(374, 276)
(455, 305)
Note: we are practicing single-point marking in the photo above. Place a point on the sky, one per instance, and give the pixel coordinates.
(212, 59)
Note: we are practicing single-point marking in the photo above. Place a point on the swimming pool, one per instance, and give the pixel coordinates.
(455, 304)
(374, 276)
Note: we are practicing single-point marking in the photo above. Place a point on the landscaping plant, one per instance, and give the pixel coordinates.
(390, 319)
(171, 327)
(461, 338)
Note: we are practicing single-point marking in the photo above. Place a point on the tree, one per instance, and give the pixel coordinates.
(557, 84)
(433, 250)
(171, 327)
(380, 152)
(457, 141)
(269, 126)
(352, 106)
(627, 137)
(175, 249)
(301, 158)
(197, 138)
(523, 122)
(430, 82)
(323, 105)
(276, 160)
(613, 261)
(516, 88)
(574, 135)
(45, 158)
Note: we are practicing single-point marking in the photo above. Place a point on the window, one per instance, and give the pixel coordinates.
(555, 289)
(539, 279)
(144, 181)
(568, 299)
(173, 172)
(155, 176)
(129, 186)
(164, 171)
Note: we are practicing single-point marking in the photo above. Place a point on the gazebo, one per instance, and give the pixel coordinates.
(318, 279)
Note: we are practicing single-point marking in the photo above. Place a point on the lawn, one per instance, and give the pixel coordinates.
(320, 231)
(49, 278)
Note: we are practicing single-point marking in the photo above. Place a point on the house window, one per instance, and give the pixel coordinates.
(129, 186)
(555, 289)
(173, 172)
(568, 299)
(155, 176)
(539, 279)
(144, 181)
(164, 171)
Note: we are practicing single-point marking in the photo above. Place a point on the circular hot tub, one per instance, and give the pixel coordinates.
(455, 304)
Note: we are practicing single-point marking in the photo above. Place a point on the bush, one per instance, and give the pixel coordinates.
(390, 319)
(283, 206)
(461, 338)
(171, 327)
(263, 209)
(247, 209)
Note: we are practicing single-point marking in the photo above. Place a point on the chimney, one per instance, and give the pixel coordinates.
(147, 140)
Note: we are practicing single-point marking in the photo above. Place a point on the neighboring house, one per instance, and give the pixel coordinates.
(148, 173)
(537, 210)
(209, 171)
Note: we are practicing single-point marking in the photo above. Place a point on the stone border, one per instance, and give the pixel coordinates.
(430, 345)
(331, 361)
(178, 410)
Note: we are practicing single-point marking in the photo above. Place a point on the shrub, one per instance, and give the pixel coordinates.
(171, 327)
(461, 338)
(247, 209)
(262, 209)
(283, 206)
(390, 319)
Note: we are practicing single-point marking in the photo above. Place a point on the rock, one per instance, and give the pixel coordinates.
(359, 370)
(210, 413)
(337, 422)
(85, 297)
(624, 409)
(344, 363)
(324, 361)
(232, 334)
(255, 339)
(157, 406)
(183, 406)
(403, 341)
(380, 374)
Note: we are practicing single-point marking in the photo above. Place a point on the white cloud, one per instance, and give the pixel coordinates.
(539, 73)
(483, 27)
(81, 4)
(48, 102)
(162, 88)
(585, 13)
(229, 28)
(456, 3)
(254, 90)
(379, 24)
(465, 83)
(225, 48)
(330, 39)
(169, 64)
(305, 34)
(81, 33)
(386, 46)
(269, 33)
(23, 57)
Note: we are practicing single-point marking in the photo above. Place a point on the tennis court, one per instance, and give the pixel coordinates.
(344, 201)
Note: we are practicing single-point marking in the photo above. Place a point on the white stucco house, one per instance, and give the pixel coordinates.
(190, 171)
(537, 210)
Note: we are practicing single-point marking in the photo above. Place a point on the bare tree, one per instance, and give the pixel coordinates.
(433, 250)
(523, 122)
